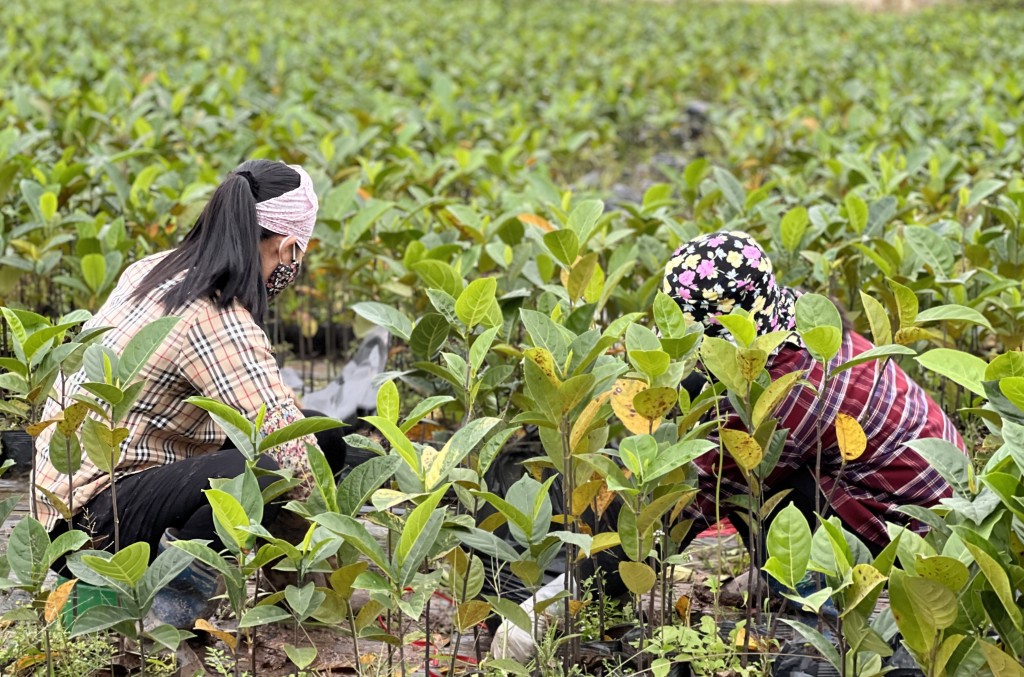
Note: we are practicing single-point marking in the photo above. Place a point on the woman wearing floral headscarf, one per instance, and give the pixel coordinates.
(714, 274)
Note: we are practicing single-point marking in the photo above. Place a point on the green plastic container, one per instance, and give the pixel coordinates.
(83, 597)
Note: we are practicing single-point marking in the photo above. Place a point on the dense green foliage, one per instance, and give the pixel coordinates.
(501, 184)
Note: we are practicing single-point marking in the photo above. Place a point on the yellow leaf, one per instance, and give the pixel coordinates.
(604, 499)
(911, 335)
(584, 495)
(30, 660)
(637, 576)
(603, 541)
(226, 637)
(773, 396)
(851, 438)
(72, 418)
(37, 428)
(744, 449)
(586, 417)
(752, 641)
(534, 220)
(683, 607)
(471, 613)
(57, 599)
(622, 403)
(1001, 663)
(575, 606)
(543, 359)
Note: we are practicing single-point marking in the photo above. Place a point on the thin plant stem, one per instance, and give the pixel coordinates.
(352, 627)
(49, 653)
(142, 650)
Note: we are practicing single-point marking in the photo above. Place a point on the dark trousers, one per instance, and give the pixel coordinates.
(171, 497)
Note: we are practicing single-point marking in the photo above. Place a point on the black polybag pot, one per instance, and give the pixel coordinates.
(18, 446)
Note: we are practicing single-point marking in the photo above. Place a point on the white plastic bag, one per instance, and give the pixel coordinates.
(511, 641)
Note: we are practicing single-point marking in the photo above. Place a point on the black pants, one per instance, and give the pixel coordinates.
(171, 497)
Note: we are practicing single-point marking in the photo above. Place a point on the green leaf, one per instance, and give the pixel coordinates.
(856, 212)
(360, 483)
(719, 356)
(878, 320)
(1007, 364)
(305, 600)
(564, 245)
(94, 271)
(818, 641)
(142, 346)
(42, 337)
(96, 438)
(544, 333)
(1013, 389)
(423, 408)
(355, 534)
(982, 190)
(263, 615)
(439, 275)
(584, 218)
(474, 303)
(238, 428)
(429, 335)
(931, 248)
(960, 367)
(478, 351)
(878, 353)
(385, 316)
(669, 316)
(948, 460)
(399, 442)
(67, 542)
(388, 403)
(230, 516)
(654, 363)
(99, 618)
(793, 227)
(996, 576)
(511, 611)
(731, 189)
(819, 325)
(921, 608)
(299, 429)
(164, 569)
(906, 303)
(168, 637)
(419, 536)
(126, 566)
(488, 544)
(789, 546)
(26, 551)
(741, 327)
(953, 313)
(301, 657)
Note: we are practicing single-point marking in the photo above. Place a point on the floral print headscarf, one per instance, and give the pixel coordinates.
(714, 273)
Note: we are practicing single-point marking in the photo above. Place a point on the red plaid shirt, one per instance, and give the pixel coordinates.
(892, 410)
(218, 353)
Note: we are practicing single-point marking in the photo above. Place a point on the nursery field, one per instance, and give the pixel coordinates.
(501, 184)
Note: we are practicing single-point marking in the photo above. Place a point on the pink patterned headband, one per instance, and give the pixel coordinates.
(293, 213)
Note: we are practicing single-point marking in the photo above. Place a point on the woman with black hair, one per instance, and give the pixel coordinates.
(245, 248)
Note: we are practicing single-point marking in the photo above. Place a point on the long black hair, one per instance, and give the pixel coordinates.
(221, 253)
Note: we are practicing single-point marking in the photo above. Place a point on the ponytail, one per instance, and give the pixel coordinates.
(221, 256)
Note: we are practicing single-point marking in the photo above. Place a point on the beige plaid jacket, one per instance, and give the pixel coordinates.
(222, 354)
